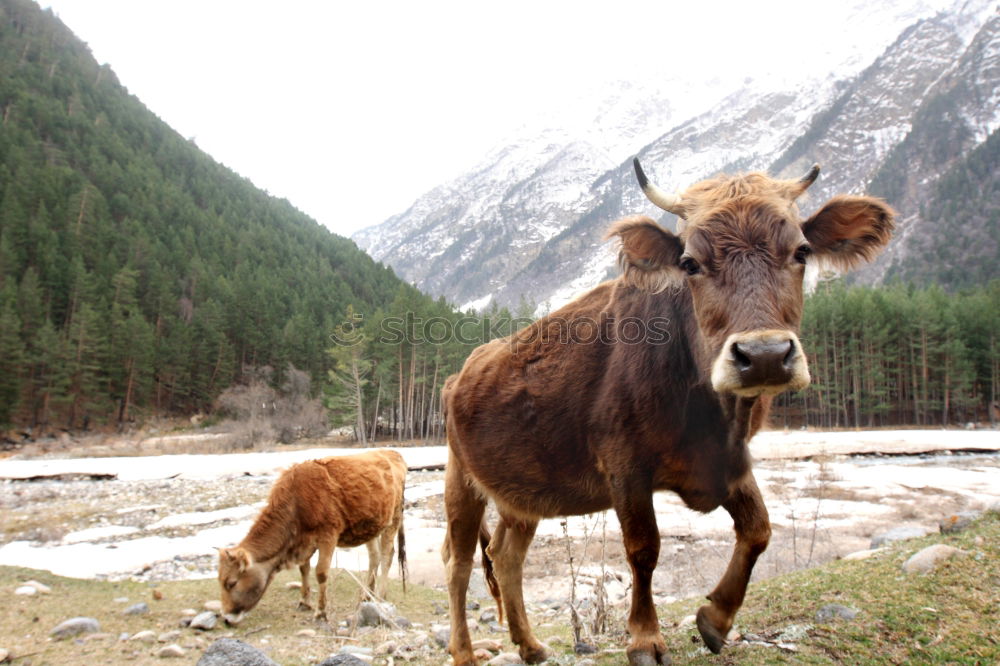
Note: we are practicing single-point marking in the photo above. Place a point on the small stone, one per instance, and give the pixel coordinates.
(488, 615)
(230, 651)
(687, 620)
(355, 649)
(170, 651)
(389, 647)
(472, 605)
(140, 608)
(438, 608)
(188, 612)
(794, 632)
(26, 591)
(41, 588)
(584, 648)
(215, 606)
(124, 636)
(481, 654)
(505, 658)
(373, 615)
(293, 585)
(489, 644)
(4, 656)
(958, 521)
(75, 626)
(342, 659)
(733, 636)
(204, 621)
(862, 554)
(835, 612)
(306, 633)
(897, 534)
(928, 558)
(168, 636)
(121, 600)
(146, 636)
(441, 635)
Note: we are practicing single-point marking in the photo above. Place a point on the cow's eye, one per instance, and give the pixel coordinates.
(690, 266)
(802, 253)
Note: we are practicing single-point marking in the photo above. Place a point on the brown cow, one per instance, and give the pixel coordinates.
(319, 504)
(653, 381)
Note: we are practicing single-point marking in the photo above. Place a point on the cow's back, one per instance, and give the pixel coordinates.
(357, 496)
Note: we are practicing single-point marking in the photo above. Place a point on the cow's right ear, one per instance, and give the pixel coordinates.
(238, 557)
(649, 253)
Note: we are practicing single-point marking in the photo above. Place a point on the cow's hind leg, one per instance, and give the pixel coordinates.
(326, 548)
(374, 556)
(387, 548)
(753, 531)
(507, 549)
(633, 503)
(463, 507)
(304, 572)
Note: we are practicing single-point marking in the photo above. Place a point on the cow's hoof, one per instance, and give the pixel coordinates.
(643, 657)
(714, 639)
(321, 616)
(303, 606)
(534, 655)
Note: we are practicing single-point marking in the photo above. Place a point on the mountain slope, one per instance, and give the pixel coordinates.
(135, 271)
(529, 220)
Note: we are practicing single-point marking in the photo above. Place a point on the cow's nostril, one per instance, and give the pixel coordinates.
(789, 359)
(743, 361)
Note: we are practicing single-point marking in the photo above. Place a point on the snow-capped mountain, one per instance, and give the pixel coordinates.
(529, 220)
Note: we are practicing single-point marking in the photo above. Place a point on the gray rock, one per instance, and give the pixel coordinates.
(355, 649)
(472, 605)
(402, 622)
(897, 534)
(584, 648)
(441, 636)
(74, 627)
(957, 522)
(835, 612)
(140, 608)
(233, 652)
(794, 633)
(343, 660)
(204, 621)
(927, 559)
(373, 615)
(488, 615)
(147, 636)
(505, 658)
(439, 609)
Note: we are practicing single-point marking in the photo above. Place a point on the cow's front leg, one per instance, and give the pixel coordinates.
(633, 502)
(326, 548)
(753, 531)
(304, 572)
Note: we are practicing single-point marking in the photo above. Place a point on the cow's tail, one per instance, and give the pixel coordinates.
(488, 575)
(401, 551)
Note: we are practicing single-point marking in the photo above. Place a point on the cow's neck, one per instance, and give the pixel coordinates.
(733, 419)
(271, 541)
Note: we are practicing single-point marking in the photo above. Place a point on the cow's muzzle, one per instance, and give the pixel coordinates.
(233, 619)
(760, 362)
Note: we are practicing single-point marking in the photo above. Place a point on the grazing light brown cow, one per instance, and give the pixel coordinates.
(653, 381)
(319, 505)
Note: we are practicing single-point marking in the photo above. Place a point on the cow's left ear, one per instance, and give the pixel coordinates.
(649, 253)
(848, 230)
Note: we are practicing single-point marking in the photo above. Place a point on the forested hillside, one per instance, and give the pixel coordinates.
(136, 273)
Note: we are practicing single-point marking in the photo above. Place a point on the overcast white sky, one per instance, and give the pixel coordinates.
(351, 110)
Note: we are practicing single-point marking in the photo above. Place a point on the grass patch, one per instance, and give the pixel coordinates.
(949, 616)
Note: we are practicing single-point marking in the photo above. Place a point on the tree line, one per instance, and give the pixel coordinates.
(898, 355)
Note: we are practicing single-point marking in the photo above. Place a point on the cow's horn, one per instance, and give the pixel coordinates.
(668, 202)
(808, 179)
